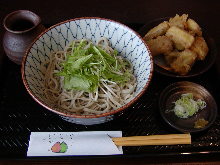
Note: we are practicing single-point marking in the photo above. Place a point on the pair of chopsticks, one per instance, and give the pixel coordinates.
(170, 139)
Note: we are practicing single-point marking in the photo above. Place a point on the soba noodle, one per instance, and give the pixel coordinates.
(109, 95)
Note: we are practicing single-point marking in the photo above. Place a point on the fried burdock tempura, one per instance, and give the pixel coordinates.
(200, 48)
(180, 37)
(184, 62)
(171, 56)
(160, 45)
(193, 27)
(158, 30)
(179, 21)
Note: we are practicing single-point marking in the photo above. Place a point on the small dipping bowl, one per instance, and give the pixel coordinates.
(186, 125)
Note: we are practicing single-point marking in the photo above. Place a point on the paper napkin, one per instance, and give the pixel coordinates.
(73, 143)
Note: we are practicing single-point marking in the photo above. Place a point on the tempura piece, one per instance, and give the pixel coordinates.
(160, 45)
(200, 48)
(179, 21)
(194, 27)
(184, 62)
(171, 56)
(158, 30)
(180, 37)
(179, 46)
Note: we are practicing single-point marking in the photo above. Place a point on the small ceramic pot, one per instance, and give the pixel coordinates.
(22, 26)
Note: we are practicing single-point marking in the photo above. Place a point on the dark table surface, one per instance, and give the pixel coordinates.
(138, 12)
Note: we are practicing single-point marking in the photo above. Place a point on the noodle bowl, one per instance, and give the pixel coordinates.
(46, 58)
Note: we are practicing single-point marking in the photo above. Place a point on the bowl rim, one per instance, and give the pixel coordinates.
(84, 116)
(199, 87)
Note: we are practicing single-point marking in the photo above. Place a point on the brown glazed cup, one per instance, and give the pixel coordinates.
(22, 26)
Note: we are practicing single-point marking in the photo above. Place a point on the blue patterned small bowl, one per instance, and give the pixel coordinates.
(127, 42)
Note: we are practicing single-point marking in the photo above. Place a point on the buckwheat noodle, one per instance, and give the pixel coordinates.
(108, 97)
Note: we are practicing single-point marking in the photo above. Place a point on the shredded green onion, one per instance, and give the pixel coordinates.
(186, 106)
(86, 65)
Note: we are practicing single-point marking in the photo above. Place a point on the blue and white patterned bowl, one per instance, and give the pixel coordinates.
(127, 42)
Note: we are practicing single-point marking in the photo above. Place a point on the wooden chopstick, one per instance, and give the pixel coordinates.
(171, 139)
(169, 136)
